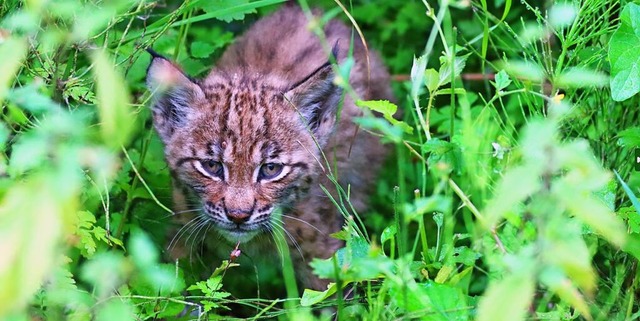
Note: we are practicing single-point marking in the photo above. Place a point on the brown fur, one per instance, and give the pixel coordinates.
(271, 99)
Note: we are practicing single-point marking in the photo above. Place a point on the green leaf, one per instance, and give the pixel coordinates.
(592, 212)
(84, 225)
(113, 102)
(516, 185)
(446, 69)
(12, 51)
(431, 79)
(564, 288)
(29, 98)
(115, 309)
(578, 77)
(389, 131)
(568, 251)
(524, 70)
(447, 302)
(624, 47)
(502, 80)
(417, 75)
(235, 8)
(143, 252)
(629, 192)
(631, 216)
(200, 49)
(388, 233)
(517, 290)
(30, 229)
(105, 271)
(629, 137)
(387, 109)
(562, 15)
(311, 297)
(443, 155)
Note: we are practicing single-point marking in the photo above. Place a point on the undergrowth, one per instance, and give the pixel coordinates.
(510, 195)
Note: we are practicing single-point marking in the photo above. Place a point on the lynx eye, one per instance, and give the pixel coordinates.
(210, 168)
(269, 171)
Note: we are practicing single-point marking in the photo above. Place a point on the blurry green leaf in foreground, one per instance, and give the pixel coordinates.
(525, 70)
(12, 52)
(623, 54)
(116, 119)
(30, 232)
(517, 289)
(581, 78)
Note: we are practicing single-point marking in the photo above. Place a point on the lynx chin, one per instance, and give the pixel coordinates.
(252, 136)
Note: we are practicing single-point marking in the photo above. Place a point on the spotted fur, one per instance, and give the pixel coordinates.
(271, 99)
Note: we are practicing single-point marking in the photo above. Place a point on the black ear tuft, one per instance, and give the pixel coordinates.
(316, 98)
(173, 94)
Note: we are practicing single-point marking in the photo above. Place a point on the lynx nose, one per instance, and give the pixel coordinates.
(238, 216)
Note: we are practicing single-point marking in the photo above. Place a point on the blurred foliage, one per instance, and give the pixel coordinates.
(511, 194)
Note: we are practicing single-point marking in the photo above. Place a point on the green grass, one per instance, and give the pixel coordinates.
(499, 203)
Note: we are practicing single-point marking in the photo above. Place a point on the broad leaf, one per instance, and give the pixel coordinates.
(623, 54)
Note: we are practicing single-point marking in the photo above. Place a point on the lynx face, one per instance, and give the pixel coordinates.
(244, 144)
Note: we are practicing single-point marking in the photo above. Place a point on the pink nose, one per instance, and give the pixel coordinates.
(238, 217)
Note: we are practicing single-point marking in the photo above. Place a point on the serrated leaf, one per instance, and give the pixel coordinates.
(562, 286)
(446, 69)
(516, 185)
(387, 109)
(568, 251)
(623, 54)
(231, 9)
(502, 80)
(592, 212)
(200, 49)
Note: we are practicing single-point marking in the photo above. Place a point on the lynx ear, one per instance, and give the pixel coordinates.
(317, 97)
(173, 94)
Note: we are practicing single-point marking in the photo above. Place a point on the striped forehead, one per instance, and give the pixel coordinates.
(243, 115)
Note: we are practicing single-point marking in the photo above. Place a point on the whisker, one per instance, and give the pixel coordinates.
(302, 221)
(273, 236)
(181, 212)
(194, 235)
(182, 230)
(204, 236)
(293, 241)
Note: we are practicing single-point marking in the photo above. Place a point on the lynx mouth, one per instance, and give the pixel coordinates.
(245, 232)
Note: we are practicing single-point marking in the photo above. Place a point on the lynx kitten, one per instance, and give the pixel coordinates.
(250, 137)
